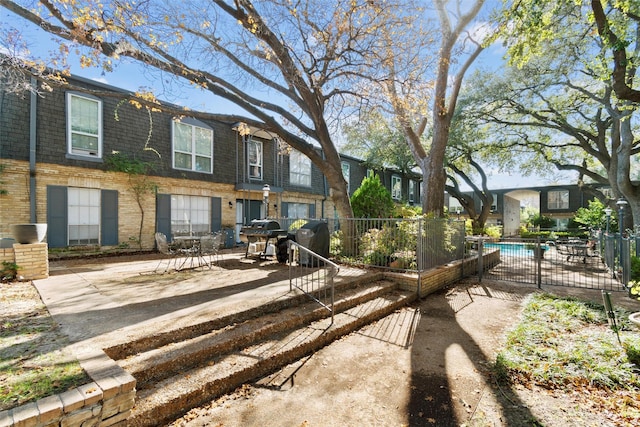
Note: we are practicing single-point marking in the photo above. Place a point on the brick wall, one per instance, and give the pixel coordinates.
(106, 401)
(32, 260)
(438, 277)
(14, 206)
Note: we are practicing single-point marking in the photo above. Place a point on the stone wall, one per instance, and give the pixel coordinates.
(438, 277)
(32, 260)
(107, 401)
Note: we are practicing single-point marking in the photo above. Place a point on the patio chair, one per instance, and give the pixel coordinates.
(210, 247)
(164, 248)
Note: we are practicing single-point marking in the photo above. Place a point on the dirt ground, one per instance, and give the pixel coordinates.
(425, 365)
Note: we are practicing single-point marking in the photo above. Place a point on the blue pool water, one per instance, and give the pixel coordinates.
(513, 249)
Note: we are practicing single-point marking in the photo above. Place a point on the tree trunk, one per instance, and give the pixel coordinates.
(434, 174)
(629, 190)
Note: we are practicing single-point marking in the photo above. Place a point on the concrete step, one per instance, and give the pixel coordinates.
(247, 359)
(166, 360)
(152, 341)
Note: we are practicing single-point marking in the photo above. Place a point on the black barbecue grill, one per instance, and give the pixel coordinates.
(262, 229)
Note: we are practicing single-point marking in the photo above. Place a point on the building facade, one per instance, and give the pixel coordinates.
(558, 202)
(71, 158)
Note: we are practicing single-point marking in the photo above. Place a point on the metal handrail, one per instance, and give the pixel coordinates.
(315, 278)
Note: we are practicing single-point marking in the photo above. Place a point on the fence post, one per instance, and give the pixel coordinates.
(420, 246)
(480, 259)
(625, 260)
(539, 269)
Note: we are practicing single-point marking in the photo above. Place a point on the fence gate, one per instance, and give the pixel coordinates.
(572, 264)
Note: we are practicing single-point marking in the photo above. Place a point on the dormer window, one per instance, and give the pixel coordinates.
(84, 126)
(192, 146)
(254, 161)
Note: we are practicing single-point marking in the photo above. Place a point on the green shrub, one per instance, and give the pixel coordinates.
(9, 271)
(632, 349)
(494, 231)
(372, 199)
(406, 211)
(635, 268)
(542, 221)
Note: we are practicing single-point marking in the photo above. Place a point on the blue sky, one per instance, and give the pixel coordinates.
(131, 76)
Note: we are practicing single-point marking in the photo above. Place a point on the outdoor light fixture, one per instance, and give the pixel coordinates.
(265, 198)
(607, 214)
(230, 205)
(622, 204)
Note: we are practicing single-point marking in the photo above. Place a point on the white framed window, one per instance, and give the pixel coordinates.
(412, 191)
(396, 187)
(558, 199)
(84, 125)
(190, 215)
(83, 211)
(370, 173)
(297, 210)
(192, 147)
(254, 161)
(346, 173)
(299, 169)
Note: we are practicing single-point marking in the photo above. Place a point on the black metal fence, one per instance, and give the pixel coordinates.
(405, 244)
(574, 263)
(418, 244)
(618, 250)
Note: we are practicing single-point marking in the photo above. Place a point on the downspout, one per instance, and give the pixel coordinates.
(32, 151)
(324, 190)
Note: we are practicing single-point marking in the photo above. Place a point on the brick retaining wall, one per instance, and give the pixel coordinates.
(438, 277)
(32, 259)
(107, 401)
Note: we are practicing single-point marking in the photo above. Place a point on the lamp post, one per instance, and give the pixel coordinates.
(607, 214)
(265, 199)
(621, 203)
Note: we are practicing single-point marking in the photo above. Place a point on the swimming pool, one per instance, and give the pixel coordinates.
(512, 248)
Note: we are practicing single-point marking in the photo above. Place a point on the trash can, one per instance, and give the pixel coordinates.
(314, 236)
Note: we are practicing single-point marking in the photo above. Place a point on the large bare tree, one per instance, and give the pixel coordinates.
(291, 65)
(408, 91)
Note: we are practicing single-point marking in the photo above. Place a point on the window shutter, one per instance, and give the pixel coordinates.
(216, 214)
(109, 218)
(163, 214)
(57, 216)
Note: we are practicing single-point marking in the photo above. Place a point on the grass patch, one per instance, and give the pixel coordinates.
(566, 343)
(33, 360)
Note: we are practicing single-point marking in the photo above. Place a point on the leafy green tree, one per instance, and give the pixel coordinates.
(579, 58)
(593, 217)
(527, 214)
(372, 199)
(378, 140)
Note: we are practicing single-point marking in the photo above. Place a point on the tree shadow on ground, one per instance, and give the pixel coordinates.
(446, 358)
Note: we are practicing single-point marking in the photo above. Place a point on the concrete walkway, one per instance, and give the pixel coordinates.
(107, 301)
